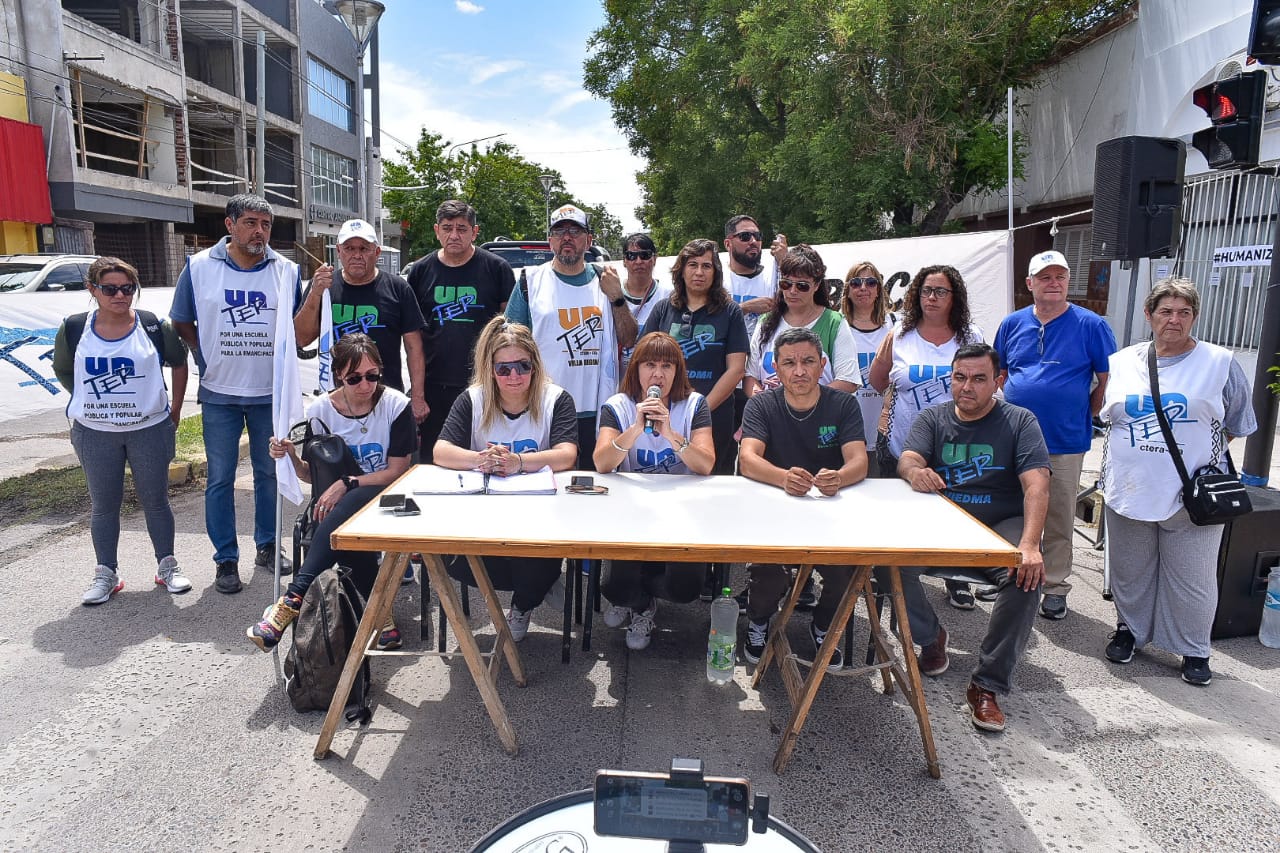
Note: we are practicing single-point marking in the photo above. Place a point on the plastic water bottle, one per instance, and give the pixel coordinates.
(723, 639)
(1268, 632)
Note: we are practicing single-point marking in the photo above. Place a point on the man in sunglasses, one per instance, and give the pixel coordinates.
(225, 308)
(580, 319)
(371, 301)
(460, 288)
(1052, 352)
(641, 290)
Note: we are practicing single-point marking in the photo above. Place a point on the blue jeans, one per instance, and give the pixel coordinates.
(223, 425)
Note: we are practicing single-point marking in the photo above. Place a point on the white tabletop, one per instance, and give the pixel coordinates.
(689, 518)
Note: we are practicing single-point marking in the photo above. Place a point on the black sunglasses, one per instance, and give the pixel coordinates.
(788, 283)
(638, 255)
(748, 236)
(356, 378)
(863, 282)
(523, 367)
(114, 289)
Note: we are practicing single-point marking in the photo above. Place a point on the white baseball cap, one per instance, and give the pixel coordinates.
(1047, 259)
(357, 228)
(569, 213)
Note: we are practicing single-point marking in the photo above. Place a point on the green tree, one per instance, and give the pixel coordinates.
(503, 187)
(822, 116)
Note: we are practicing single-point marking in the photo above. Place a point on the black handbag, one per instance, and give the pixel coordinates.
(1210, 496)
(328, 457)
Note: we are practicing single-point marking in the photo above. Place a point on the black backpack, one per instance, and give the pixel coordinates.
(74, 328)
(322, 637)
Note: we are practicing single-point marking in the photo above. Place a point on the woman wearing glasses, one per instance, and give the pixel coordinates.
(377, 424)
(512, 419)
(802, 301)
(669, 433)
(706, 322)
(865, 306)
(110, 361)
(916, 361)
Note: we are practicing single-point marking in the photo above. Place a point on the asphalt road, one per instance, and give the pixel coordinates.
(151, 723)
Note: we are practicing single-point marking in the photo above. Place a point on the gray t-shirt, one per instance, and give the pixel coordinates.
(980, 461)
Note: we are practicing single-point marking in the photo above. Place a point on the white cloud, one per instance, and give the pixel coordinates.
(489, 70)
(467, 8)
(573, 133)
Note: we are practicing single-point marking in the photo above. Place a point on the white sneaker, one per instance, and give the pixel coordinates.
(641, 628)
(617, 616)
(105, 584)
(171, 577)
(518, 622)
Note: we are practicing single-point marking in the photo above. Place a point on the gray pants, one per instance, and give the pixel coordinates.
(103, 454)
(1060, 521)
(1164, 577)
(1011, 621)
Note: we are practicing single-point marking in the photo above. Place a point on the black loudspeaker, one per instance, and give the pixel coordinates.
(1250, 551)
(1137, 198)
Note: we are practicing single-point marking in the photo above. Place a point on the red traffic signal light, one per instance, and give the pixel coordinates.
(1235, 108)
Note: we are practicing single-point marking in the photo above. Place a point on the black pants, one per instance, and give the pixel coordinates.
(528, 578)
(586, 443)
(321, 555)
(634, 584)
(439, 400)
(770, 581)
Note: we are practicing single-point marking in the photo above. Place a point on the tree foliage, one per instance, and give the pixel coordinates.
(822, 116)
(501, 185)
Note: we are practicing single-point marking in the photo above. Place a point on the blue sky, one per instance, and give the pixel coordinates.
(474, 68)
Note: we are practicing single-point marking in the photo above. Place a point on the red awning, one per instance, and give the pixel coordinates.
(24, 187)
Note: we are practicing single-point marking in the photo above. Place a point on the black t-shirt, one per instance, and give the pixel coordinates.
(981, 460)
(457, 302)
(564, 421)
(710, 339)
(384, 309)
(811, 441)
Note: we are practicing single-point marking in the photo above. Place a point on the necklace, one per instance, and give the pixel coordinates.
(351, 413)
(799, 418)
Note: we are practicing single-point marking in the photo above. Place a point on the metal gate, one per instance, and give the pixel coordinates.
(1219, 211)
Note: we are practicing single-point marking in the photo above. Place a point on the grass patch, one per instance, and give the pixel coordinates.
(190, 439)
(47, 494)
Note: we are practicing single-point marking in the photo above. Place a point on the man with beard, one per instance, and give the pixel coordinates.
(225, 308)
(460, 288)
(580, 319)
(368, 300)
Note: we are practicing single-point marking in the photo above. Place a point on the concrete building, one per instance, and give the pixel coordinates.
(1136, 76)
(148, 109)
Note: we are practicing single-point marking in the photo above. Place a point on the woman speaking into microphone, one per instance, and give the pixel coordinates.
(657, 424)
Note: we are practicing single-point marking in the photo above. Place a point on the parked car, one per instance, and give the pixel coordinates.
(45, 272)
(531, 253)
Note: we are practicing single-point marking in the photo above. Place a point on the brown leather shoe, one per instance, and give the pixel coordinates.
(983, 710)
(933, 657)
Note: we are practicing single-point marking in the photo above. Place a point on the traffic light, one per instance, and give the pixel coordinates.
(1235, 107)
(1264, 32)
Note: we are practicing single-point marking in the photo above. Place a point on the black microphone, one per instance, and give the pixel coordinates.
(654, 393)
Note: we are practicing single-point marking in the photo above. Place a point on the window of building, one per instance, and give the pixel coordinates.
(330, 96)
(333, 181)
(1074, 242)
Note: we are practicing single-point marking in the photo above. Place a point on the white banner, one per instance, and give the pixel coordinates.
(28, 324)
(1241, 256)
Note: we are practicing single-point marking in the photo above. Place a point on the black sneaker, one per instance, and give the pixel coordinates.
(266, 559)
(1053, 606)
(959, 595)
(1196, 671)
(1120, 649)
(227, 580)
(742, 598)
(809, 595)
(757, 636)
(988, 592)
(837, 660)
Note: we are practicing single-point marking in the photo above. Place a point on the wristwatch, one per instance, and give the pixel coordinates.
(619, 302)
(351, 483)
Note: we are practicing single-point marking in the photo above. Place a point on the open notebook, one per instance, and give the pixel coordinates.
(440, 481)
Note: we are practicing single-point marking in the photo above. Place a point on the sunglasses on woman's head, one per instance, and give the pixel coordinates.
(638, 255)
(523, 367)
(788, 283)
(114, 289)
(356, 378)
(863, 282)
